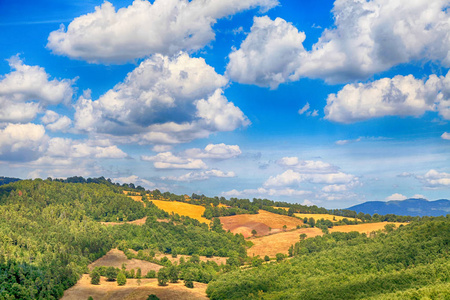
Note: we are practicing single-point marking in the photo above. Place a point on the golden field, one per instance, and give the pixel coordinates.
(183, 209)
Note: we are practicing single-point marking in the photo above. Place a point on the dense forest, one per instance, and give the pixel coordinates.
(49, 233)
(412, 262)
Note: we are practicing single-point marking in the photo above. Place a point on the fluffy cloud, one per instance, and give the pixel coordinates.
(396, 196)
(269, 55)
(68, 148)
(399, 96)
(141, 29)
(55, 122)
(163, 101)
(435, 179)
(22, 142)
(166, 160)
(204, 175)
(368, 37)
(27, 90)
(215, 151)
(266, 192)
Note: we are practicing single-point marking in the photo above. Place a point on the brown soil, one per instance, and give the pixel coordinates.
(115, 258)
(260, 222)
(132, 291)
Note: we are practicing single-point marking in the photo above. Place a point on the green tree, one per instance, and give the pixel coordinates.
(266, 258)
(90, 298)
(121, 278)
(138, 273)
(95, 276)
(163, 277)
(284, 227)
(173, 274)
(280, 257)
(152, 297)
(303, 236)
(111, 273)
(189, 284)
(254, 232)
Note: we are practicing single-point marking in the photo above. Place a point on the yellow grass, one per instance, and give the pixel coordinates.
(322, 216)
(183, 209)
(280, 242)
(132, 290)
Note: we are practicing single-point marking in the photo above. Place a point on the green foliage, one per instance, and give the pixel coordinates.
(163, 276)
(152, 297)
(95, 277)
(111, 273)
(173, 273)
(121, 278)
(412, 262)
(266, 258)
(189, 284)
(280, 257)
(151, 274)
(90, 298)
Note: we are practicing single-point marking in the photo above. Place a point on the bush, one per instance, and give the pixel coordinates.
(163, 277)
(280, 256)
(111, 273)
(151, 274)
(189, 284)
(121, 279)
(95, 277)
(152, 297)
(266, 258)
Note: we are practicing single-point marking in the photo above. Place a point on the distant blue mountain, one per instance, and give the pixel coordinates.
(408, 207)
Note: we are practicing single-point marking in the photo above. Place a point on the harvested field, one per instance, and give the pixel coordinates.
(260, 222)
(363, 228)
(183, 209)
(218, 260)
(279, 243)
(323, 216)
(135, 222)
(115, 258)
(132, 291)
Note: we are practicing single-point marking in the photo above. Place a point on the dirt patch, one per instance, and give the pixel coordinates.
(218, 260)
(262, 223)
(279, 243)
(133, 291)
(135, 222)
(115, 258)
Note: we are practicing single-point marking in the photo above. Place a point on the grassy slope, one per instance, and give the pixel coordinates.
(412, 257)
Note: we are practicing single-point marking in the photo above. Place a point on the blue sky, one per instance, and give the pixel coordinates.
(312, 102)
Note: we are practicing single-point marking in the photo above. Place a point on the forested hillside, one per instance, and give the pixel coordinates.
(412, 261)
(49, 232)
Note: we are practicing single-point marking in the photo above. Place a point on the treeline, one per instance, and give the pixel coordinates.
(49, 233)
(411, 260)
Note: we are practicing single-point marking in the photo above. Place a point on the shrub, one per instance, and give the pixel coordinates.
(151, 274)
(95, 277)
(121, 279)
(189, 284)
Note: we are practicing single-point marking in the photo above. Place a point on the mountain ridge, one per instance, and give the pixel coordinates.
(410, 207)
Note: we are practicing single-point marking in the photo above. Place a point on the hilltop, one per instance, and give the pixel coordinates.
(408, 207)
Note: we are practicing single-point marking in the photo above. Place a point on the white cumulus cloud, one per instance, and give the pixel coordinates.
(143, 28)
(215, 151)
(367, 37)
(163, 101)
(396, 196)
(399, 96)
(28, 90)
(167, 160)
